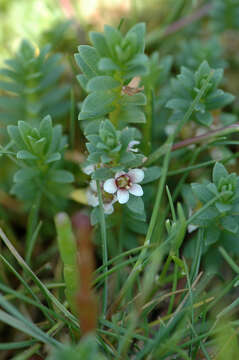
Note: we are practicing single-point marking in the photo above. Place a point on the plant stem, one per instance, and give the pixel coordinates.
(138, 265)
(104, 247)
(68, 252)
(158, 34)
(72, 120)
(187, 20)
(165, 269)
(198, 254)
(229, 260)
(227, 130)
(174, 288)
(32, 227)
(148, 125)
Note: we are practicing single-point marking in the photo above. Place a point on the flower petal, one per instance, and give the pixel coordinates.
(92, 198)
(136, 175)
(136, 190)
(119, 173)
(89, 169)
(108, 209)
(122, 196)
(110, 186)
(93, 186)
(131, 145)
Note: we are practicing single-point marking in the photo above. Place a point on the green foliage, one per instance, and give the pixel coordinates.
(177, 230)
(109, 145)
(135, 216)
(158, 70)
(113, 60)
(105, 145)
(194, 52)
(111, 70)
(136, 206)
(31, 86)
(151, 173)
(39, 151)
(87, 349)
(225, 14)
(68, 252)
(222, 215)
(186, 87)
(142, 237)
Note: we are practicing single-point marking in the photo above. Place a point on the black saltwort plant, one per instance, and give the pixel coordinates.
(188, 84)
(39, 151)
(112, 70)
(32, 80)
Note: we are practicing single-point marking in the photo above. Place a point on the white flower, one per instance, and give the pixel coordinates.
(89, 169)
(124, 184)
(131, 144)
(92, 198)
(192, 228)
(170, 129)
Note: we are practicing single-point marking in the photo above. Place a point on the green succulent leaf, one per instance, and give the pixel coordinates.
(102, 83)
(230, 224)
(100, 44)
(136, 205)
(219, 172)
(131, 114)
(102, 174)
(151, 174)
(61, 176)
(212, 235)
(25, 174)
(202, 192)
(26, 155)
(97, 104)
(87, 59)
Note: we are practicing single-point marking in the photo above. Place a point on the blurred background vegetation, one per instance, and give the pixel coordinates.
(44, 21)
(65, 25)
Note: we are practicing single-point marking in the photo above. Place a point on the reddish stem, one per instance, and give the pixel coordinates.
(181, 23)
(199, 138)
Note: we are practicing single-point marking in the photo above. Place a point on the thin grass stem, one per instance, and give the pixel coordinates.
(104, 248)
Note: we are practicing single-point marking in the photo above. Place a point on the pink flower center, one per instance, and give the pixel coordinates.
(123, 182)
